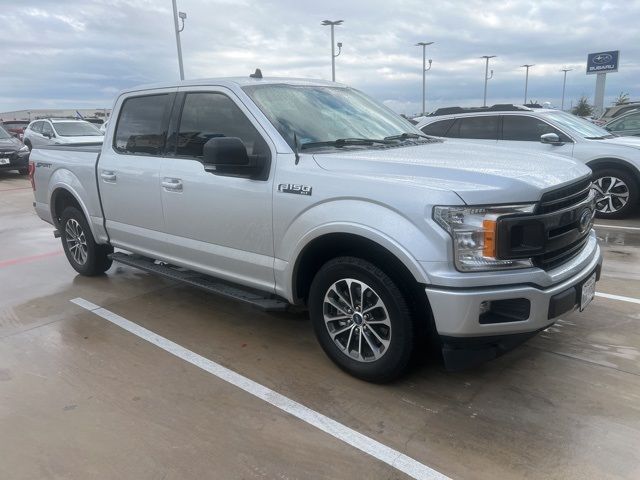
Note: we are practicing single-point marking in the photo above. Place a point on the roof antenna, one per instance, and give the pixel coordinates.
(296, 147)
(256, 74)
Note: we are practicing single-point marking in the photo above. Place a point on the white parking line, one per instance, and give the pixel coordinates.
(388, 455)
(618, 297)
(599, 225)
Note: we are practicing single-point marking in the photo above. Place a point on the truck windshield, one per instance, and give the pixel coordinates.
(76, 129)
(579, 126)
(320, 116)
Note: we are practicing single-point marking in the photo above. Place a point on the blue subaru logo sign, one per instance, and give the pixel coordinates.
(603, 62)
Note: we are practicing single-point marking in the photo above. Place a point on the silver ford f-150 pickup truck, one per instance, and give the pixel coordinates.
(285, 191)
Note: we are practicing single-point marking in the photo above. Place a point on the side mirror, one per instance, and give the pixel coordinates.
(228, 155)
(551, 139)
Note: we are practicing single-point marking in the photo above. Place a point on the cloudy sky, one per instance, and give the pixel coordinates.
(79, 53)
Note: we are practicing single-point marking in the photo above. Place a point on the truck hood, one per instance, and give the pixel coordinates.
(479, 174)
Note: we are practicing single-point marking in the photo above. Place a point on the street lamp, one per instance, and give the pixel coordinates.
(564, 84)
(526, 81)
(486, 77)
(333, 46)
(182, 16)
(424, 71)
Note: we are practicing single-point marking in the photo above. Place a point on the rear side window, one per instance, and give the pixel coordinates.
(141, 127)
(527, 129)
(482, 127)
(439, 128)
(209, 115)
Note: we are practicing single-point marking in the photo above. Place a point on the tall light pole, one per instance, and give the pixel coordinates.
(486, 77)
(424, 71)
(526, 80)
(182, 17)
(564, 84)
(333, 46)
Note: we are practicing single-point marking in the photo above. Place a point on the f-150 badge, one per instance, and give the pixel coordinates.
(293, 188)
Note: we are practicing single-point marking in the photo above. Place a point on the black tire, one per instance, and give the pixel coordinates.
(23, 171)
(28, 144)
(395, 357)
(609, 203)
(75, 230)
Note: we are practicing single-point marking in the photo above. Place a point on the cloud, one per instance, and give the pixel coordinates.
(82, 52)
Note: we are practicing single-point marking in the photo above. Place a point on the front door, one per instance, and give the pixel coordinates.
(221, 225)
(524, 132)
(129, 172)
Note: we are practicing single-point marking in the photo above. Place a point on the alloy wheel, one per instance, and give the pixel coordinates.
(612, 194)
(357, 320)
(76, 241)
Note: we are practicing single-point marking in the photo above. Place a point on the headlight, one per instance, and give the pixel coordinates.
(473, 230)
(24, 149)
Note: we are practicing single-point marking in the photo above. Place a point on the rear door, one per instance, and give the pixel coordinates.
(218, 224)
(478, 129)
(129, 171)
(35, 134)
(524, 131)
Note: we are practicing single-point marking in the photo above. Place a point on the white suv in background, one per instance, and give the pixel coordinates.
(614, 160)
(55, 131)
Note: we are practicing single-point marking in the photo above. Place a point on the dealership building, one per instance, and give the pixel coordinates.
(34, 114)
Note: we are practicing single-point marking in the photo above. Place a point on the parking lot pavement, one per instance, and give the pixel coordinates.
(82, 398)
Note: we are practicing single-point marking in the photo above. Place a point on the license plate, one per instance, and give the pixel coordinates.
(4, 161)
(588, 292)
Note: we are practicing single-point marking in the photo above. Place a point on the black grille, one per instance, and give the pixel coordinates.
(555, 233)
(564, 197)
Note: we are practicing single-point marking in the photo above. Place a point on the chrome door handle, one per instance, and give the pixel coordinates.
(173, 184)
(108, 176)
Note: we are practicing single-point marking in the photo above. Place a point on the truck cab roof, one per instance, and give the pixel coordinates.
(236, 82)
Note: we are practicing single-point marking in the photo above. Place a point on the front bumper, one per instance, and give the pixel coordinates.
(468, 337)
(16, 162)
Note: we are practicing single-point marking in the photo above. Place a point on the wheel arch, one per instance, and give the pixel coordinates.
(320, 249)
(612, 162)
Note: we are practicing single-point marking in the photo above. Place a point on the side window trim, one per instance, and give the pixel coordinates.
(165, 122)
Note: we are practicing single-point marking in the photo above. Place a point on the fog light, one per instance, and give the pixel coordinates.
(485, 306)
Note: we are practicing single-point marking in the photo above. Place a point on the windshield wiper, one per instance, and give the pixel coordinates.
(405, 136)
(342, 142)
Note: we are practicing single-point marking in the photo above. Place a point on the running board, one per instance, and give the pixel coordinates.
(255, 298)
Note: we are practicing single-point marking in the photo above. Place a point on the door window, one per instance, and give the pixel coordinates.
(37, 127)
(481, 127)
(46, 129)
(209, 115)
(632, 122)
(527, 129)
(439, 128)
(141, 127)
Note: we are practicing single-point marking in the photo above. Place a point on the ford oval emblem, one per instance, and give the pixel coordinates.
(585, 220)
(602, 58)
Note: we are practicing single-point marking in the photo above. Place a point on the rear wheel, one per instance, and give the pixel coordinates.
(616, 193)
(361, 319)
(23, 171)
(84, 254)
(28, 144)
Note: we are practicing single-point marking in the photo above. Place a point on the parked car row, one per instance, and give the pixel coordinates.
(614, 160)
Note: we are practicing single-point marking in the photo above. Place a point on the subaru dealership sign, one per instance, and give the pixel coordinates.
(603, 62)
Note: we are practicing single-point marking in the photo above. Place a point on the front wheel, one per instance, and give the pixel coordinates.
(84, 254)
(361, 319)
(23, 171)
(616, 193)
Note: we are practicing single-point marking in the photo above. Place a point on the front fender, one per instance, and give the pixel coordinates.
(378, 223)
